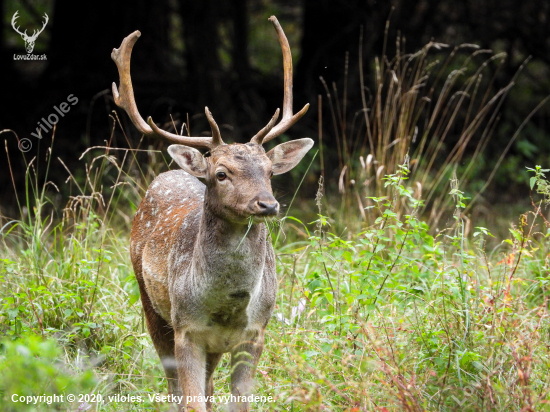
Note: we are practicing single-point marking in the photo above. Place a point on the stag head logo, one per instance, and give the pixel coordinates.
(29, 40)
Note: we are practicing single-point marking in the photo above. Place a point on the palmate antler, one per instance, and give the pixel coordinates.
(125, 100)
(271, 131)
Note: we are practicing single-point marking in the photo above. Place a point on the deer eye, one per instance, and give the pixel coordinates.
(221, 176)
(271, 174)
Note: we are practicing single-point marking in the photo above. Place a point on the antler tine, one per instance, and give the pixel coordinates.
(216, 136)
(288, 117)
(125, 100)
(13, 23)
(37, 32)
(259, 137)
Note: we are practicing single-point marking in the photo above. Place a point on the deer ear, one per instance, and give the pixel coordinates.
(189, 159)
(287, 155)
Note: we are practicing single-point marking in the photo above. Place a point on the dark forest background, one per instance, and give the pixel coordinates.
(224, 54)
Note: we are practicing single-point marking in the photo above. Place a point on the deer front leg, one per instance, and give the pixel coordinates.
(212, 360)
(191, 361)
(162, 335)
(244, 358)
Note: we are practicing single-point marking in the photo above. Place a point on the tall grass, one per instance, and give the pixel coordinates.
(394, 318)
(384, 315)
(438, 106)
(65, 274)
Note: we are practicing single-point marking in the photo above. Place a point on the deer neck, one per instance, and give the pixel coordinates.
(227, 250)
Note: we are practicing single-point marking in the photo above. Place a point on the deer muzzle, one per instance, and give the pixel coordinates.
(265, 205)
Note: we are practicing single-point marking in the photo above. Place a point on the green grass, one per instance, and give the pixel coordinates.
(391, 317)
(377, 310)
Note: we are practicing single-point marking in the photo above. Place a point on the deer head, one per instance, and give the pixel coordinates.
(237, 175)
(29, 40)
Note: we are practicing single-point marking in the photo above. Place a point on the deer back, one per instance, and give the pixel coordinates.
(173, 203)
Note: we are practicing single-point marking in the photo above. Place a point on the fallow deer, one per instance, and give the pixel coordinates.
(200, 248)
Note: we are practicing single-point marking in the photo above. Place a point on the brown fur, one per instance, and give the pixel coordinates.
(207, 278)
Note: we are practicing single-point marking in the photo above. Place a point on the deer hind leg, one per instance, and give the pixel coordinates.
(244, 358)
(212, 360)
(191, 362)
(162, 335)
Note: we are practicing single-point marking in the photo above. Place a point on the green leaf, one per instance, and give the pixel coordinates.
(12, 313)
(310, 353)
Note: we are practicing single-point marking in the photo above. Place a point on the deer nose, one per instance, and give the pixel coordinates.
(267, 205)
(268, 208)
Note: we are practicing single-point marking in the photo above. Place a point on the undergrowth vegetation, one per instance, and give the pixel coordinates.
(377, 310)
(441, 107)
(394, 318)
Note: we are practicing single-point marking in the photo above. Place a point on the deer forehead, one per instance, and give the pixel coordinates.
(247, 157)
